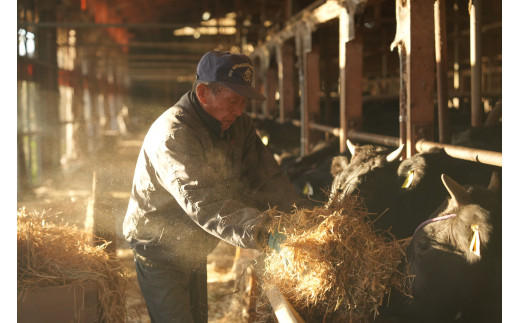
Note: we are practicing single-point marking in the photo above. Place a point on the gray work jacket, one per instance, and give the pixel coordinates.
(194, 185)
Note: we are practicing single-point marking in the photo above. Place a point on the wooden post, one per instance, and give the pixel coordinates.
(415, 39)
(477, 113)
(272, 82)
(456, 63)
(312, 92)
(351, 72)
(441, 57)
(285, 59)
(47, 78)
(303, 47)
(263, 76)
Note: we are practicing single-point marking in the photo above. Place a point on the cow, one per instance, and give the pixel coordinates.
(401, 194)
(420, 187)
(310, 174)
(453, 260)
(455, 257)
(371, 174)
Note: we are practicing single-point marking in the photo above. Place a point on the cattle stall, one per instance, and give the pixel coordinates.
(319, 72)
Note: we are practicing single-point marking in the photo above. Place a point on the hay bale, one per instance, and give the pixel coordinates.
(333, 264)
(50, 255)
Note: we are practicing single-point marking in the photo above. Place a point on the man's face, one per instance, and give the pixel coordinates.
(225, 105)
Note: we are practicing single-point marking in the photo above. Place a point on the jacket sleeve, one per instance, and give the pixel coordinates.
(266, 179)
(207, 189)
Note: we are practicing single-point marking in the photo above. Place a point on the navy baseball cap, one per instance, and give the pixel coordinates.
(234, 71)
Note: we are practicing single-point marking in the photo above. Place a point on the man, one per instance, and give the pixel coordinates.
(203, 175)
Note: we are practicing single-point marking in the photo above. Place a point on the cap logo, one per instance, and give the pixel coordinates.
(248, 73)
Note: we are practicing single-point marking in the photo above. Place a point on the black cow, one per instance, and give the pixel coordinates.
(310, 174)
(401, 194)
(454, 260)
(456, 257)
(421, 190)
(371, 174)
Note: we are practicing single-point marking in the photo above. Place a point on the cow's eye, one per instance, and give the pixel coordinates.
(423, 245)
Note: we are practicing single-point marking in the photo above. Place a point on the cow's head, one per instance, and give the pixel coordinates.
(368, 174)
(467, 215)
(455, 256)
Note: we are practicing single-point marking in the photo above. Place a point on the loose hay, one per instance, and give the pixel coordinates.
(50, 255)
(333, 264)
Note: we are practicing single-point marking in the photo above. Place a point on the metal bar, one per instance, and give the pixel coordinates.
(441, 57)
(316, 126)
(476, 155)
(459, 152)
(477, 113)
(374, 138)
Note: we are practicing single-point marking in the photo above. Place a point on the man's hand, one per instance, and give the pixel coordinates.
(275, 239)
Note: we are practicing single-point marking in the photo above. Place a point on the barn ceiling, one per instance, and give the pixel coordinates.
(162, 40)
(158, 36)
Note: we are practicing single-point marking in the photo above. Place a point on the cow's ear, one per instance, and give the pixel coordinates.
(494, 183)
(339, 163)
(395, 154)
(351, 147)
(457, 192)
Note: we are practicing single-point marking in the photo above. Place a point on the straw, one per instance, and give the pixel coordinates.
(333, 264)
(51, 255)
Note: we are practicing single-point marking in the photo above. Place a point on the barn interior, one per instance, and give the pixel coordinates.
(92, 76)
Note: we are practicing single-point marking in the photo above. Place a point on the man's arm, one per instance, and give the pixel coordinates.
(206, 190)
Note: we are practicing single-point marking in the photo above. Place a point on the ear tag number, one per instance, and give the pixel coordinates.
(475, 241)
(409, 180)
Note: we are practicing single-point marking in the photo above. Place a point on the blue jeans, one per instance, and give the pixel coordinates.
(172, 295)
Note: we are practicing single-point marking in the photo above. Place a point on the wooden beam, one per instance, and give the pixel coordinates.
(415, 41)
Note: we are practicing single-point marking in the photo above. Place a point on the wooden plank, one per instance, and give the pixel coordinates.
(59, 304)
(282, 308)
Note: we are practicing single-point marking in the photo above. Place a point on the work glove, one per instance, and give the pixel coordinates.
(275, 239)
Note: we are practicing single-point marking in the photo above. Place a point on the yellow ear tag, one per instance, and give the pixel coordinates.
(265, 140)
(408, 180)
(475, 241)
(307, 189)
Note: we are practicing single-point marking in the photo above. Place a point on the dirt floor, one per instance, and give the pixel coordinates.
(68, 198)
